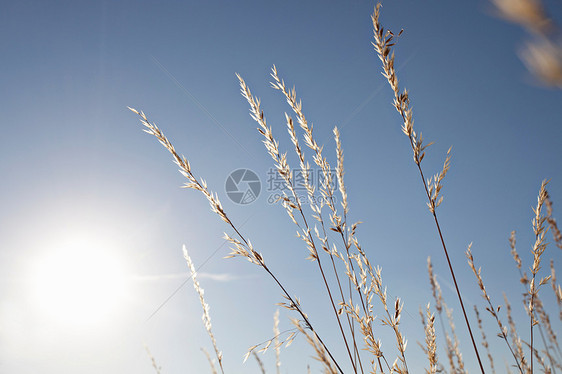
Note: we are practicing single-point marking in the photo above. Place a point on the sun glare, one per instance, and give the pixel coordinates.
(79, 284)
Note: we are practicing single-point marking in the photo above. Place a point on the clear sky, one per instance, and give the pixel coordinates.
(91, 206)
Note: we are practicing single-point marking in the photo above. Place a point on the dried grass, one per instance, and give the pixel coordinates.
(543, 53)
(352, 284)
(157, 369)
(206, 316)
(484, 340)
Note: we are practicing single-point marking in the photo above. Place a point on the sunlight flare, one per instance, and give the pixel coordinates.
(79, 284)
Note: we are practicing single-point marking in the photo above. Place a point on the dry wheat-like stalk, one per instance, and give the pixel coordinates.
(524, 279)
(542, 55)
(338, 220)
(320, 352)
(328, 199)
(338, 224)
(284, 170)
(346, 234)
(340, 173)
(543, 58)
(493, 310)
(538, 249)
(370, 284)
(209, 360)
(551, 335)
(184, 167)
(556, 288)
(556, 234)
(430, 348)
(455, 345)
(365, 322)
(206, 316)
(391, 319)
(515, 339)
(384, 41)
(485, 343)
(276, 340)
(540, 359)
(528, 13)
(507, 368)
(439, 304)
(157, 369)
(326, 188)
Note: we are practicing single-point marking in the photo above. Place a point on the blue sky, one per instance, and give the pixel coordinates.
(79, 173)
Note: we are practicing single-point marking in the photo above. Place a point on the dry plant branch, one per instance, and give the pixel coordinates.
(484, 340)
(206, 315)
(556, 288)
(321, 355)
(277, 345)
(210, 361)
(242, 247)
(439, 305)
(338, 224)
(542, 55)
(284, 170)
(493, 310)
(524, 280)
(455, 345)
(430, 347)
(515, 339)
(384, 41)
(157, 369)
(556, 234)
(538, 249)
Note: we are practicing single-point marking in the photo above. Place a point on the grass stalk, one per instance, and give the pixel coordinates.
(242, 247)
(493, 310)
(538, 249)
(384, 41)
(285, 172)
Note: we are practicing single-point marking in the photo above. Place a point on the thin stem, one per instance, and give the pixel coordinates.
(450, 265)
(303, 315)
